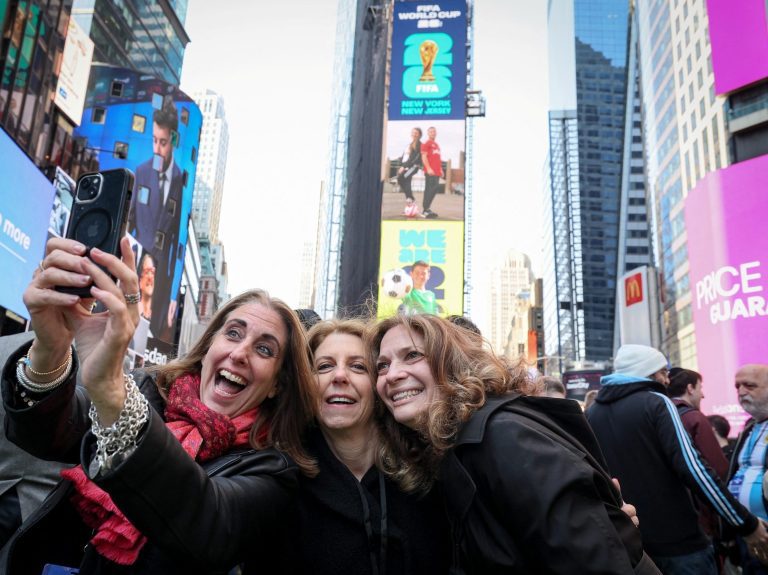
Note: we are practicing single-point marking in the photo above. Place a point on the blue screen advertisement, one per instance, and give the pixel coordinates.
(26, 197)
(428, 74)
(135, 121)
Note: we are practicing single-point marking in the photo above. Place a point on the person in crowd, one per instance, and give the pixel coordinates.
(308, 317)
(524, 481)
(411, 162)
(465, 322)
(433, 170)
(589, 398)
(179, 471)
(722, 429)
(686, 390)
(420, 299)
(750, 463)
(633, 415)
(25, 480)
(354, 520)
(552, 387)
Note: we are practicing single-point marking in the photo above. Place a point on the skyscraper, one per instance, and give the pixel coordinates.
(211, 165)
(143, 35)
(596, 213)
(511, 285)
(685, 138)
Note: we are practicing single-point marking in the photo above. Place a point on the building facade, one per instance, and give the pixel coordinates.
(510, 301)
(211, 165)
(34, 35)
(143, 35)
(595, 203)
(685, 136)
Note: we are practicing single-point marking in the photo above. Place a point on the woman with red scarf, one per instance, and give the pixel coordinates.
(179, 468)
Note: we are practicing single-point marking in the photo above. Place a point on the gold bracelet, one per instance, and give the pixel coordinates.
(28, 363)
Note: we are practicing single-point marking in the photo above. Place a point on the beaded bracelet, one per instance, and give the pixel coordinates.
(34, 372)
(35, 387)
(121, 435)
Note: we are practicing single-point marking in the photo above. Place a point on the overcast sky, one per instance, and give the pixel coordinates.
(272, 63)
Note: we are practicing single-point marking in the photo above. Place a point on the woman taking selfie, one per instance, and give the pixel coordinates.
(523, 478)
(179, 472)
(353, 519)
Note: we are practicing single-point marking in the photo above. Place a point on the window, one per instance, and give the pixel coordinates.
(98, 115)
(139, 123)
(116, 89)
(120, 150)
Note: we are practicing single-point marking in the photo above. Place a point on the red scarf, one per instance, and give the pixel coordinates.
(203, 433)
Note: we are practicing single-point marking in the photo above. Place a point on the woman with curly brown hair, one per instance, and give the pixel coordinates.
(524, 480)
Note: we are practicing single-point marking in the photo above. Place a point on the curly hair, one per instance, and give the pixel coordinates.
(465, 372)
(291, 410)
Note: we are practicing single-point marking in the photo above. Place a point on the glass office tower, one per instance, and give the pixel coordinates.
(595, 175)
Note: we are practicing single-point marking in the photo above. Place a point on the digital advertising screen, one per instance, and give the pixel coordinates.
(73, 75)
(738, 34)
(63, 199)
(421, 269)
(26, 197)
(725, 218)
(139, 122)
(428, 75)
(424, 170)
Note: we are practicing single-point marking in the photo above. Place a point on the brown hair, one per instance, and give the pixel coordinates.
(465, 372)
(291, 409)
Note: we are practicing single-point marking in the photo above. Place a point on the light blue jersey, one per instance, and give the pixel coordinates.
(747, 484)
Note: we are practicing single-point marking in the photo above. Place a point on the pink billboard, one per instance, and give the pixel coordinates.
(738, 33)
(725, 216)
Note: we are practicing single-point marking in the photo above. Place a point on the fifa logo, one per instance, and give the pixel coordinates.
(633, 289)
(427, 60)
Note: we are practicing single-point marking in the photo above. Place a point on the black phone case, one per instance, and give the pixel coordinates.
(101, 222)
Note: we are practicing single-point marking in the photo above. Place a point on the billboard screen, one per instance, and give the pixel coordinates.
(62, 203)
(738, 33)
(421, 266)
(26, 197)
(728, 256)
(421, 269)
(141, 123)
(428, 75)
(73, 76)
(578, 383)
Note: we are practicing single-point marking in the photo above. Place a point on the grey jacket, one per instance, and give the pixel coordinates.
(30, 477)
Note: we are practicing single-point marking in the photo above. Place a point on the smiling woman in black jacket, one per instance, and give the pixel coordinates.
(179, 472)
(524, 481)
(355, 520)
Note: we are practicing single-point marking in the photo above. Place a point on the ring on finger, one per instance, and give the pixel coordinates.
(133, 298)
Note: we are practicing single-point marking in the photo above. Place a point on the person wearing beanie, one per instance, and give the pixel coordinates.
(647, 448)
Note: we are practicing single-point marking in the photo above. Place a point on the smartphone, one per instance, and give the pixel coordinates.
(99, 216)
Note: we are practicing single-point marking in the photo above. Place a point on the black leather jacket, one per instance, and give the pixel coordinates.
(527, 493)
(198, 519)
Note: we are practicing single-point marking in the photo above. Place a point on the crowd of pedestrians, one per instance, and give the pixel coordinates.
(283, 443)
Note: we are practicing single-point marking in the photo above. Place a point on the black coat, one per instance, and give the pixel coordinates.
(198, 519)
(648, 449)
(528, 493)
(343, 528)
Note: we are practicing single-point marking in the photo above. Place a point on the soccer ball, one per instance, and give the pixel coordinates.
(396, 283)
(411, 210)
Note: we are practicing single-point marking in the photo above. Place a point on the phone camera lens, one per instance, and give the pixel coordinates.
(89, 188)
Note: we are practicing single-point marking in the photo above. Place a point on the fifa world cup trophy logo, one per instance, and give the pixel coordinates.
(428, 53)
